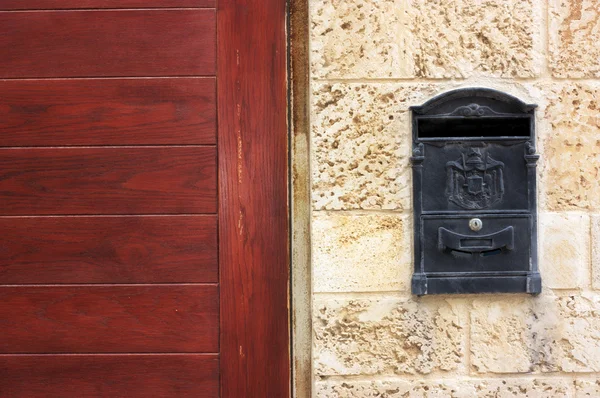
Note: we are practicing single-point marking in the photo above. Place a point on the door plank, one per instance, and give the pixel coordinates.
(148, 180)
(253, 212)
(70, 4)
(158, 249)
(109, 319)
(107, 43)
(108, 112)
(76, 376)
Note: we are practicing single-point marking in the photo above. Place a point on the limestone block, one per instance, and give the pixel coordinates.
(596, 252)
(361, 139)
(524, 388)
(360, 39)
(361, 142)
(574, 34)
(512, 336)
(459, 38)
(570, 164)
(587, 388)
(361, 252)
(395, 388)
(386, 336)
(457, 388)
(580, 323)
(564, 250)
(545, 334)
(425, 38)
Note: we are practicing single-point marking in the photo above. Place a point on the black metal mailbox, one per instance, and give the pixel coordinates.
(474, 185)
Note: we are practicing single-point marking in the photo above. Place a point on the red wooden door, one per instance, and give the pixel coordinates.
(143, 199)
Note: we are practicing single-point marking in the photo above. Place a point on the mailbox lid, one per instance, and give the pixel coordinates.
(501, 246)
(474, 102)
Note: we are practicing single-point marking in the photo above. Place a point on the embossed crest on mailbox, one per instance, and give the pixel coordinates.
(474, 185)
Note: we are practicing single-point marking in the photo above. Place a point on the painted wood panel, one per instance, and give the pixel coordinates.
(76, 376)
(108, 112)
(146, 249)
(70, 4)
(107, 43)
(253, 212)
(141, 180)
(109, 319)
(79, 320)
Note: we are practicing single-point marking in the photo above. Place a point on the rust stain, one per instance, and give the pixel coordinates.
(574, 14)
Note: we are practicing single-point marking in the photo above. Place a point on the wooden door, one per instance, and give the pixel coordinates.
(143, 199)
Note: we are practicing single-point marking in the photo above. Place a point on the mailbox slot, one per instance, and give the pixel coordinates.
(474, 185)
(493, 127)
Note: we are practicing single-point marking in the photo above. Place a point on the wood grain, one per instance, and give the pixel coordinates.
(253, 212)
(107, 43)
(70, 4)
(109, 319)
(148, 180)
(77, 376)
(108, 112)
(157, 249)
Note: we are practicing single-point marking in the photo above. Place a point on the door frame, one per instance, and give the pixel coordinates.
(254, 244)
(300, 202)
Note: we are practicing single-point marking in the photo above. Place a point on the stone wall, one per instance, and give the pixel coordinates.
(371, 60)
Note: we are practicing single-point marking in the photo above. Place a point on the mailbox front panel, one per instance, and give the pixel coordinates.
(475, 177)
(474, 186)
(501, 245)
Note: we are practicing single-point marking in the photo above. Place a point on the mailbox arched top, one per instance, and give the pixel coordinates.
(474, 102)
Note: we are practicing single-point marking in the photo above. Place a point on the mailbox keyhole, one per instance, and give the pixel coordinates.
(475, 224)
